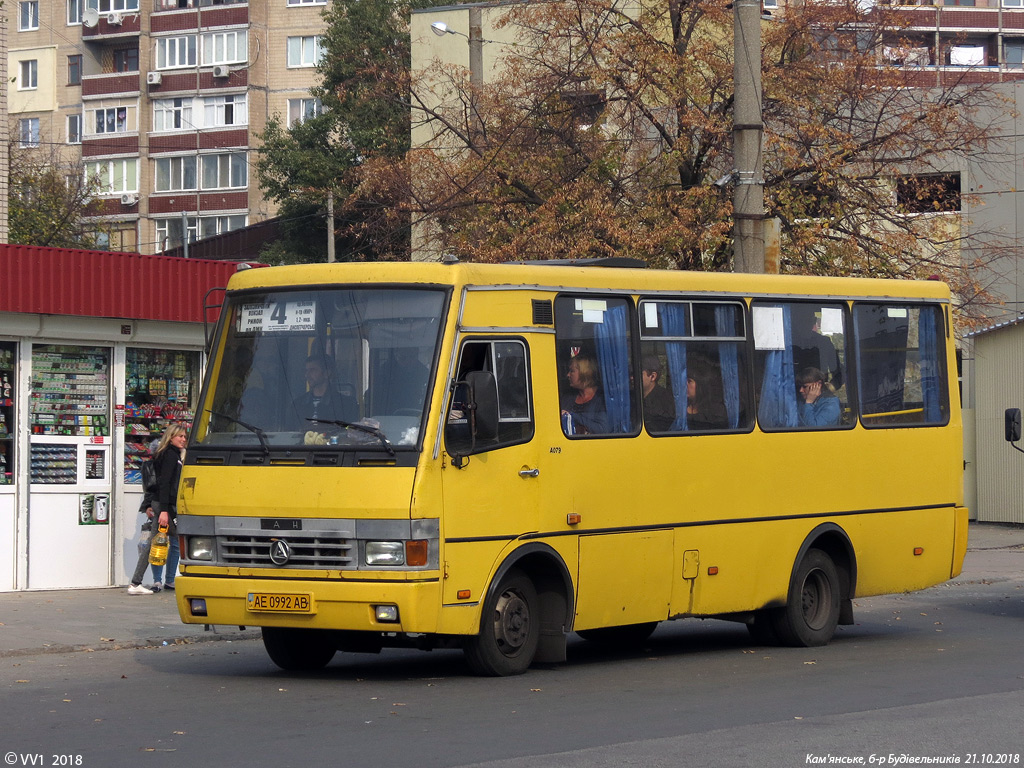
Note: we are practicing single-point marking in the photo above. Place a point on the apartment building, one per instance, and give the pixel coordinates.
(162, 101)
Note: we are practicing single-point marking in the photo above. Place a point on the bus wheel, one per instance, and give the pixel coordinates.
(299, 650)
(811, 613)
(627, 636)
(510, 630)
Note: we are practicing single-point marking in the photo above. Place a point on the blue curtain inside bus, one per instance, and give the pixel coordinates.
(778, 406)
(612, 340)
(929, 350)
(725, 325)
(674, 318)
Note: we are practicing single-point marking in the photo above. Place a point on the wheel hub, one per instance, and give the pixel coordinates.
(511, 622)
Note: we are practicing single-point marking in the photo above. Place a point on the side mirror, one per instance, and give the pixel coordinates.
(472, 415)
(1012, 425)
(485, 395)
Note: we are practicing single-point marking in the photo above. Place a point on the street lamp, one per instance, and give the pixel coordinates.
(441, 29)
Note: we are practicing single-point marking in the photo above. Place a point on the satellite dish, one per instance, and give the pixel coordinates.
(90, 17)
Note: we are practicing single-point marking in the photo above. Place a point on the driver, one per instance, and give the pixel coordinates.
(321, 400)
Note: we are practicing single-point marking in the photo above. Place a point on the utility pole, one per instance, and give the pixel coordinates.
(330, 226)
(748, 129)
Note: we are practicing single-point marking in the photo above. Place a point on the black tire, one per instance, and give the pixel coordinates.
(509, 629)
(299, 650)
(761, 629)
(811, 614)
(627, 636)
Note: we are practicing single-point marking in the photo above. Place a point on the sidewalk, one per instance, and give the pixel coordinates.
(99, 619)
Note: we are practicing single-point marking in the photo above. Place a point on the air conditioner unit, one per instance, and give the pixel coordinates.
(153, 78)
(114, 19)
(221, 71)
(129, 199)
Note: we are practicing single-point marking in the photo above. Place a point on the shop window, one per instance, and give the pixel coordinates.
(161, 387)
(70, 390)
(8, 426)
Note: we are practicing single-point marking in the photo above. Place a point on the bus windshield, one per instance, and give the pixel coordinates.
(340, 368)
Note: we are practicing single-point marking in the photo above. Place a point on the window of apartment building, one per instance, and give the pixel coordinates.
(1013, 52)
(174, 52)
(112, 119)
(28, 132)
(74, 11)
(169, 231)
(1013, 3)
(305, 51)
(929, 193)
(307, 2)
(225, 47)
(106, 6)
(28, 15)
(219, 111)
(172, 114)
(170, 234)
(225, 171)
(75, 69)
(174, 174)
(28, 75)
(117, 237)
(113, 177)
(126, 59)
(303, 109)
(218, 225)
(74, 129)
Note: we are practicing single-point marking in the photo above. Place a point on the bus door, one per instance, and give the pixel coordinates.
(491, 476)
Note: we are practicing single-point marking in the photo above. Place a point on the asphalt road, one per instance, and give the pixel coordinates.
(936, 675)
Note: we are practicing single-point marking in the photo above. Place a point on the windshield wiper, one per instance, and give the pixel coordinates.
(375, 431)
(256, 430)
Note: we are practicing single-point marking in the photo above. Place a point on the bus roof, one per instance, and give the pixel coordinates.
(558, 277)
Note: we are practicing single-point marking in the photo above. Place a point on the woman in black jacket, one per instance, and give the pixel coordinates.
(170, 454)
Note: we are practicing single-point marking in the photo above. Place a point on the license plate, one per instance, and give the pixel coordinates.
(280, 602)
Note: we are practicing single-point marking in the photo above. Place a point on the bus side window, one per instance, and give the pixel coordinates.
(800, 366)
(507, 362)
(597, 390)
(700, 351)
(901, 365)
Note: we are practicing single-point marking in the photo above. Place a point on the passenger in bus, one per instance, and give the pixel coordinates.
(659, 407)
(583, 408)
(322, 400)
(820, 406)
(702, 412)
(812, 349)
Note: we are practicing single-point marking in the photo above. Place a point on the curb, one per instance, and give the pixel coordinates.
(119, 645)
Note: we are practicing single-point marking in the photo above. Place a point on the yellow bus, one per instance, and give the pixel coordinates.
(491, 457)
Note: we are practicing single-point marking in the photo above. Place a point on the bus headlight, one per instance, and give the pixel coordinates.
(385, 553)
(200, 548)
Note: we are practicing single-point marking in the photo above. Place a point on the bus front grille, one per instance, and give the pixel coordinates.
(302, 552)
